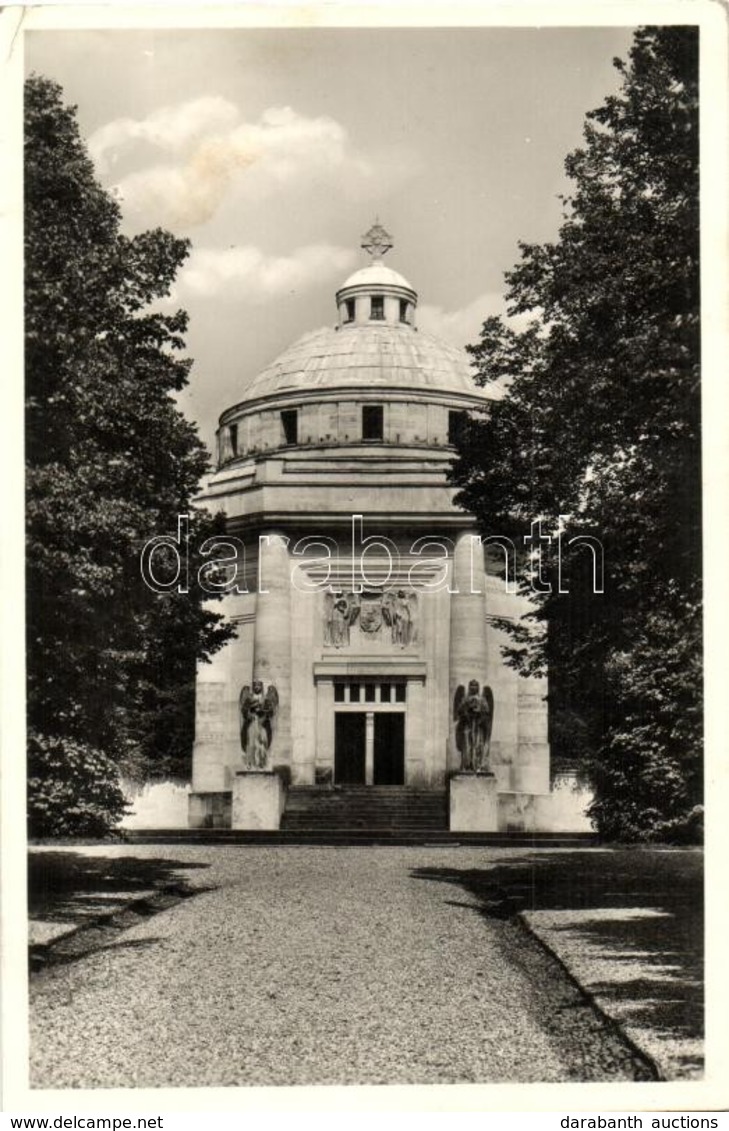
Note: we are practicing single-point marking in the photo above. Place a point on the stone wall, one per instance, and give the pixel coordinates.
(337, 422)
(156, 805)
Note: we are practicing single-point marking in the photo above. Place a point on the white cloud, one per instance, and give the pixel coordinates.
(211, 150)
(463, 327)
(173, 129)
(247, 273)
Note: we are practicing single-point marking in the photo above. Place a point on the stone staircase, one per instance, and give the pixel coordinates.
(352, 815)
(357, 808)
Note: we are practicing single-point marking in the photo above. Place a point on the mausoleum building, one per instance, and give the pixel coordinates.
(367, 655)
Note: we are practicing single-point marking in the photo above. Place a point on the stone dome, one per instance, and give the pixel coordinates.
(373, 378)
(366, 357)
(374, 346)
(376, 274)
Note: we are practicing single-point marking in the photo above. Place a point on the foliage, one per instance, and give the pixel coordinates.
(111, 460)
(72, 788)
(601, 426)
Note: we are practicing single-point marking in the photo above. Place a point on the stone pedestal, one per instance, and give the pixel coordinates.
(209, 811)
(473, 804)
(258, 800)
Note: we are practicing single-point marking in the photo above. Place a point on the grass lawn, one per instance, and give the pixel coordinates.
(628, 925)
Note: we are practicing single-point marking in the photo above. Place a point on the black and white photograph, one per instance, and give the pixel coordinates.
(359, 649)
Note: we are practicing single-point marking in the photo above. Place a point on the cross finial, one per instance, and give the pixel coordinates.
(377, 241)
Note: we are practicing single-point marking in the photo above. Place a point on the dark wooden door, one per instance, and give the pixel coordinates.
(389, 748)
(349, 747)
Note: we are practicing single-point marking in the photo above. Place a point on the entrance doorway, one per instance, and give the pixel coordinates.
(371, 754)
(349, 747)
(389, 753)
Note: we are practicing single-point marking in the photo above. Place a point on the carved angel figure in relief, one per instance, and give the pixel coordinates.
(473, 713)
(399, 611)
(340, 612)
(257, 711)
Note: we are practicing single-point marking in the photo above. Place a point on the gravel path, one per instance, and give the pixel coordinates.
(316, 966)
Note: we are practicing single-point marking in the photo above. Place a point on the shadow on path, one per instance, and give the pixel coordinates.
(634, 916)
(67, 886)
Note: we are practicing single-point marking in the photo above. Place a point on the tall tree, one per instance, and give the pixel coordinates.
(601, 425)
(111, 462)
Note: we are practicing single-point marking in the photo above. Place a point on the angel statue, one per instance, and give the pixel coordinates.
(341, 611)
(257, 711)
(398, 609)
(473, 713)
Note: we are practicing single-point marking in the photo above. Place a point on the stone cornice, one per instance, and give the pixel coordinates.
(328, 520)
(373, 287)
(389, 393)
(377, 457)
(369, 665)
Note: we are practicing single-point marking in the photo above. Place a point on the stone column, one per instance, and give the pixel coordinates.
(272, 643)
(370, 748)
(532, 770)
(468, 652)
(217, 730)
(418, 768)
(324, 753)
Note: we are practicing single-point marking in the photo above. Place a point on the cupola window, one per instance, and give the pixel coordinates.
(349, 310)
(233, 434)
(372, 422)
(377, 308)
(456, 425)
(290, 425)
(404, 310)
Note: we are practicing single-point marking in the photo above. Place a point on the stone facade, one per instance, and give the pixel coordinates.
(362, 597)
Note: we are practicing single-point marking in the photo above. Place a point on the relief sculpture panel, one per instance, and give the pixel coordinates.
(370, 617)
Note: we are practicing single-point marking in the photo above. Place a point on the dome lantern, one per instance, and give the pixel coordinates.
(376, 294)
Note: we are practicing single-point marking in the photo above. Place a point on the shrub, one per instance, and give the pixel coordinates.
(73, 789)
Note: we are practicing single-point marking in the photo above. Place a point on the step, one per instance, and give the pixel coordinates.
(363, 790)
(346, 811)
(373, 803)
(366, 799)
(313, 821)
(381, 810)
(355, 837)
(390, 810)
(362, 807)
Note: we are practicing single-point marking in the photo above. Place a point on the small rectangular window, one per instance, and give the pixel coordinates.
(338, 692)
(290, 424)
(372, 422)
(399, 692)
(233, 433)
(456, 425)
(354, 693)
(377, 308)
(404, 310)
(369, 693)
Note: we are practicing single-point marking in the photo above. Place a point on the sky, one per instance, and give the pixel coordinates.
(273, 150)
